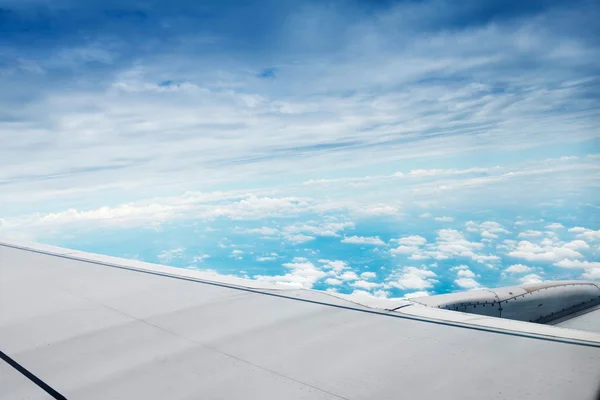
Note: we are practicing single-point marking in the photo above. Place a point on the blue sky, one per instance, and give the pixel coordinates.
(371, 148)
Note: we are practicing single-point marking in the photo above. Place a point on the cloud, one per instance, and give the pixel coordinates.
(444, 219)
(303, 274)
(348, 276)
(591, 274)
(585, 233)
(326, 229)
(169, 255)
(488, 229)
(265, 231)
(413, 240)
(467, 283)
(333, 281)
(263, 259)
(546, 252)
(465, 273)
(416, 294)
(530, 233)
(368, 275)
(335, 267)
(518, 269)
(413, 278)
(375, 241)
(531, 278)
(362, 284)
(567, 263)
(555, 225)
(299, 238)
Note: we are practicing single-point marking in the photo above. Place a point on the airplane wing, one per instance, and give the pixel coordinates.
(82, 326)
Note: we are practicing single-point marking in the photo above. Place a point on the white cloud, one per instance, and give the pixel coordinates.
(404, 250)
(335, 267)
(416, 294)
(331, 229)
(425, 215)
(567, 263)
(368, 275)
(300, 238)
(265, 231)
(303, 274)
(333, 281)
(381, 210)
(577, 245)
(375, 241)
(413, 278)
(169, 255)
(530, 233)
(592, 274)
(531, 278)
(413, 240)
(555, 225)
(361, 284)
(265, 258)
(465, 273)
(486, 226)
(348, 276)
(488, 235)
(200, 258)
(546, 252)
(444, 219)
(467, 283)
(585, 233)
(237, 252)
(518, 269)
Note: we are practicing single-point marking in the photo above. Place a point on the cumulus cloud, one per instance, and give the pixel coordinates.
(592, 274)
(413, 278)
(567, 263)
(531, 278)
(518, 269)
(489, 227)
(333, 281)
(335, 266)
(546, 252)
(585, 233)
(413, 240)
(444, 219)
(362, 284)
(465, 273)
(348, 276)
(413, 295)
(530, 233)
(467, 283)
(375, 241)
(303, 274)
(368, 275)
(555, 225)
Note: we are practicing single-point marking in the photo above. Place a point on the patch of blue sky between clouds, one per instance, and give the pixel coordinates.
(334, 145)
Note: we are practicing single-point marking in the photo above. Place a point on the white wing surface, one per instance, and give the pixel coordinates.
(82, 326)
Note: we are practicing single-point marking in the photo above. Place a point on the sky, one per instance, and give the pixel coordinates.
(367, 148)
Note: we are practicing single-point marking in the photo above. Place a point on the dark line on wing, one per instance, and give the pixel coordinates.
(538, 336)
(32, 377)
